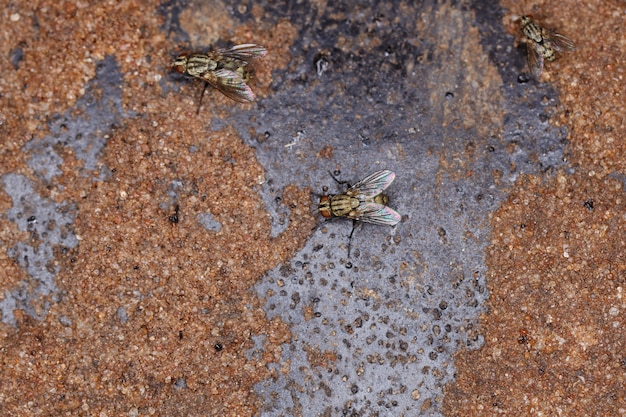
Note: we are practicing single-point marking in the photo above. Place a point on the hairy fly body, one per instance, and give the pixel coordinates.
(225, 69)
(542, 44)
(362, 202)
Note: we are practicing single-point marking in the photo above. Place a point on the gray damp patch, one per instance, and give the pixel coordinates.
(49, 226)
(85, 135)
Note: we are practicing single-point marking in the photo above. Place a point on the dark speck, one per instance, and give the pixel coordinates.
(17, 56)
(321, 63)
(523, 78)
(174, 217)
(180, 383)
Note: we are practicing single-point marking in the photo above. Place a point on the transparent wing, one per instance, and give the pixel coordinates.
(230, 84)
(378, 214)
(535, 58)
(372, 185)
(244, 52)
(561, 43)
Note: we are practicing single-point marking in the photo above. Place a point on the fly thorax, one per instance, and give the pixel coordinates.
(531, 31)
(341, 204)
(199, 64)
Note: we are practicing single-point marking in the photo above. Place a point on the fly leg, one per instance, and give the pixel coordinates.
(355, 224)
(336, 180)
(201, 95)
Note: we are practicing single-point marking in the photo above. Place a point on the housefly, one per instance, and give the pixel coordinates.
(225, 69)
(542, 44)
(362, 202)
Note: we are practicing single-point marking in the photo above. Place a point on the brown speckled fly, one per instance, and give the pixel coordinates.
(225, 69)
(362, 202)
(542, 44)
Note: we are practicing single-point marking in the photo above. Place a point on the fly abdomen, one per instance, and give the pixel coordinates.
(381, 199)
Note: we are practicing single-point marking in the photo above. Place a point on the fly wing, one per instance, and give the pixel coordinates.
(535, 58)
(378, 214)
(230, 84)
(372, 185)
(245, 52)
(561, 43)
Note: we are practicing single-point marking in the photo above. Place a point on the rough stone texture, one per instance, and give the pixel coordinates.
(159, 262)
(555, 328)
(129, 310)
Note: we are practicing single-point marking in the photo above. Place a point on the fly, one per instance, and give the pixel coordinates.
(225, 69)
(362, 202)
(542, 44)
